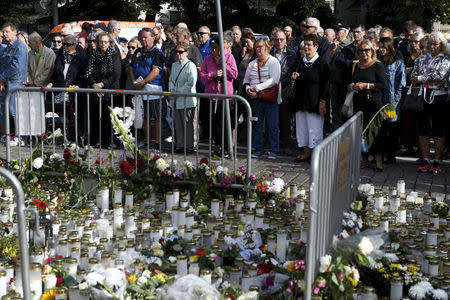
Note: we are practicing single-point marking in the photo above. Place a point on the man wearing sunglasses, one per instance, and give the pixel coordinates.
(204, 36)
(146, 73)
(311, 26)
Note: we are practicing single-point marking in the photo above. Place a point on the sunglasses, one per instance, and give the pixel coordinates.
(91, 41)
(57, 41)
(131, 47)
(202, 33)
(365, 50)
(307, 26)
(179, 51)
(68, 44)
(434, 44)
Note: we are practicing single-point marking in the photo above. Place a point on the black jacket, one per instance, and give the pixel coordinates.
(344, 59)
(111, 80)
(75, 73)
(312, 85)
(287, 65)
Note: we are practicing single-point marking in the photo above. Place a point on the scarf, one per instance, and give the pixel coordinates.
(308, 63)
(102, 62)
(68, 57)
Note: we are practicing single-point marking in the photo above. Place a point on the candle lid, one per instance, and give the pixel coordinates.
(397, 279)
(253, 288)
(60, 291)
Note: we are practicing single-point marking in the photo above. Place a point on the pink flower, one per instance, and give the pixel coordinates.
(340, 276)
(146, 171)
(288, 292)
(316, 291)
(66, 175)
(253, 177)
(321, 284)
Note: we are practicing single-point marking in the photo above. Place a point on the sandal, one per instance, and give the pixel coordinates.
(302, 159)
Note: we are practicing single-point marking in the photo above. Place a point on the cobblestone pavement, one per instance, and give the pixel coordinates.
(284, 167)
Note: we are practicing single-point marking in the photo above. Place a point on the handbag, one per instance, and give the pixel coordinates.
(347, 108)
(413, 99)
(269, 94)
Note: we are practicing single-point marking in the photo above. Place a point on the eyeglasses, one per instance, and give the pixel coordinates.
(68, 44)
(307, 26)
(180, 51)
(364, 50)
(131, 47)
(57, 41)
(202, 33)
(103, 42)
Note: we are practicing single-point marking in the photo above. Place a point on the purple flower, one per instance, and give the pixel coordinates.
(241, 169)
(269, 280)
(253, 177)
(291, 283)
(273, 174)
(226, 181)
(288, 292)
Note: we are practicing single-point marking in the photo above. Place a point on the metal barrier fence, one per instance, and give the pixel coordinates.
(335, 166)
(23, 244)
(77, 105)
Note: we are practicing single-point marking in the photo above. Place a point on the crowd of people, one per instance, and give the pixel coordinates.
(296, 85)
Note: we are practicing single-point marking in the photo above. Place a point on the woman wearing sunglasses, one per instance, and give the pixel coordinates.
(133, 44)
(368, 80)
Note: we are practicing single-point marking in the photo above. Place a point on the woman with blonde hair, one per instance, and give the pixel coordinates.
(368, 80)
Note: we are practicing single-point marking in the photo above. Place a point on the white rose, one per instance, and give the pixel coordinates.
(50, 281)
(172, 259)
(38, 163)
(325, 262)
(55, 156)
(161, 164)
(142, 280)
(365, 246)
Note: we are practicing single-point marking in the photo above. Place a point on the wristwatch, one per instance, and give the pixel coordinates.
(368, 86)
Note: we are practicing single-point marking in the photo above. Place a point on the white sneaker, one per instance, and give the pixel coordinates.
(168, 139)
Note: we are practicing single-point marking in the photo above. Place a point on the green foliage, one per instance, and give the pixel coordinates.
(9, 246)
(106, 10)
(17, 11)
(372, 129)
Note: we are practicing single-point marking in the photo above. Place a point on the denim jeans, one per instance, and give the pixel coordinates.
(269, 111)
(12, 103)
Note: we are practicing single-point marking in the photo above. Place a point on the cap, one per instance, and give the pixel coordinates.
(101, 25)
(214, 42)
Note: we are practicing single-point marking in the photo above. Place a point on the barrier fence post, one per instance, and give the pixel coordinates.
(20, 208)
(333, 186)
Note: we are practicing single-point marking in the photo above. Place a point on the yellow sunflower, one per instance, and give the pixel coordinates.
(49, 295)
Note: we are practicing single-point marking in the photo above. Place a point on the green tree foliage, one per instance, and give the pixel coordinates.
(394, 12)
(291, 12)
(17, 11)
(122, 10)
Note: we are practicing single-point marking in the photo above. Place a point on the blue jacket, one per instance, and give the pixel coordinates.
(204, 49)
(396, 80)
(14, 63)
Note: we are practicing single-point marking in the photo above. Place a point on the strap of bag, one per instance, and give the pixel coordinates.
(176, 79)
(353, 69)
(259, 74)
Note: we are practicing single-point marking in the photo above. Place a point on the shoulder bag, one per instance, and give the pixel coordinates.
(269, 94)
(347, 108)
(413, 99)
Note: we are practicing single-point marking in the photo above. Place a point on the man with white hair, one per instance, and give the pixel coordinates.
(182, 25)
(41, 61)
(114, 31)
(311, 25)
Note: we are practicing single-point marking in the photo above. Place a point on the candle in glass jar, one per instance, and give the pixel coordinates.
(169, 200)
(61, 294)
(215, 207)
(431, 237)
(129, 202)
(401, 187)
(433, 267)
(397, 288)
(105, 199)
(281, 245)
(36, 281)
(118, 196)
(176, 197)
(401, 215)
(299, 207)
(394, 203)
(3, 283)
(182, 265)
(434, 220)
(194, 269)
